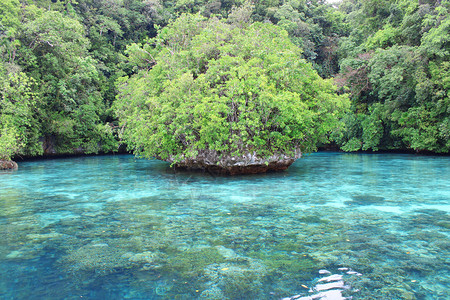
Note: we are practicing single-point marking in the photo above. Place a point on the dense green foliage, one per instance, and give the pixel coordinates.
(18, 127)
(225, 86)
(396, 66)
(60, 61)
(51, 91)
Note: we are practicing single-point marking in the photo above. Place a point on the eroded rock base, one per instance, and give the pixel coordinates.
(236, 170)
(8, 165)
(249, 163)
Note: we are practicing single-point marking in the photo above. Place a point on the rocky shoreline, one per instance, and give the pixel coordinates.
(8, 165)
(249, 163)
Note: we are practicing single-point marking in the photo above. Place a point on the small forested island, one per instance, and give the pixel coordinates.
(225, 96)
(233, 86)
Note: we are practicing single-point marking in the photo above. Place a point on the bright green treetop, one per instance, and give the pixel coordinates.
(209, 85)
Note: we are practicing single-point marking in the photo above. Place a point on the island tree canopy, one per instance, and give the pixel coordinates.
(224, 86)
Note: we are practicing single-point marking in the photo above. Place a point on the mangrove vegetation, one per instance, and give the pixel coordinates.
(172, 78)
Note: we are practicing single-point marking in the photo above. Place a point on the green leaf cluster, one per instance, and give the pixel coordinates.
(18, 122)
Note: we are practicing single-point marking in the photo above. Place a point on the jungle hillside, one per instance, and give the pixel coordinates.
(163, 78)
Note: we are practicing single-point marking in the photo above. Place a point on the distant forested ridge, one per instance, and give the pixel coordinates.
(62, 63)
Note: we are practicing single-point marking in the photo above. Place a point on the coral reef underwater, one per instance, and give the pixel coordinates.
(155, 234)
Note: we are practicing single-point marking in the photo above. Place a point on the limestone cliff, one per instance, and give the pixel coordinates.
(8, 165)
(249, 163)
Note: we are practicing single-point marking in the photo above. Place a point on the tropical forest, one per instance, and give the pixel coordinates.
(224, 149)
(75, 75)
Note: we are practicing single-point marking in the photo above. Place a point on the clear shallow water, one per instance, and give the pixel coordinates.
(114, 227)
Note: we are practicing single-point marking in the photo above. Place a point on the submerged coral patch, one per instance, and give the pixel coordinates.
(365, 200)
(147, 233)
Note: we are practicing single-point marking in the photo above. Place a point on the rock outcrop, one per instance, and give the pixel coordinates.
(8, 165)
(248, 163)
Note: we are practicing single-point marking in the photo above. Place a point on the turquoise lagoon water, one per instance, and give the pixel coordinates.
(117, 227)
